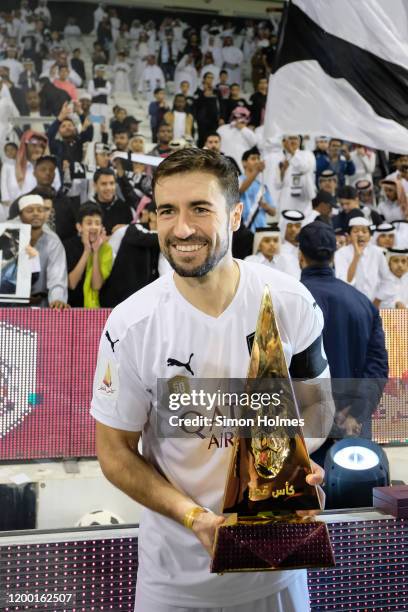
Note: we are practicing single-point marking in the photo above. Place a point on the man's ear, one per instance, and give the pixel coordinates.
(235, 216)
(78, 227)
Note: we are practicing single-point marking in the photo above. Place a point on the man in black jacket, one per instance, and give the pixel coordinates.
(353, 336)
(258, 102)
(350, 205)
(136, 262)
(52, 98)
(70, 146)
(114, 211)
(77, 64)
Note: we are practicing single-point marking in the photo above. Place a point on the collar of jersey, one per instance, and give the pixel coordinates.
(202, 315)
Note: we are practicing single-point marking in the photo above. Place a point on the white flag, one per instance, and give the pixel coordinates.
(342, 70)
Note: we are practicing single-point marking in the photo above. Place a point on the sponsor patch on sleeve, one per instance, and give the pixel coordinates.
(107, 378)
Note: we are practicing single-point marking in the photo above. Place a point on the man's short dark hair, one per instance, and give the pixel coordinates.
(246, 154)
(235, 85)
(10, 144)
(223, 71)
(155, 91)
(208, 73)
(347, 192)
(202, 160)
(47, 193)
(323, 197)
(46, 158)
(121, 129)
(212, 134)
(89, 209)
(103, 172)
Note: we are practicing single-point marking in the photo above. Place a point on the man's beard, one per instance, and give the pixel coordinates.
(211, 261)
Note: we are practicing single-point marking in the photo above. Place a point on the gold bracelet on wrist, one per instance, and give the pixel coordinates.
(191, 515)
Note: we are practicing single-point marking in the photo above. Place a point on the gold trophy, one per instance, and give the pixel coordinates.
(266, 484)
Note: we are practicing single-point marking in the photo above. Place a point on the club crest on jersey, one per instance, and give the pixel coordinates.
(178, 384)
(175, 362)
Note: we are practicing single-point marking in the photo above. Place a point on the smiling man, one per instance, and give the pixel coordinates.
(50, 285)
(114, 210)
(195, 322)
(363, 265)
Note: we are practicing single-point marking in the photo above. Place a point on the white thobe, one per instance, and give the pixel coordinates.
(401, 292)
(365, 166)
(391, 211)
(115, 26)
(121, 83)
(99, 14)
(72, 31)
(372, 276)
(11, 190)
(235, 141)
(310, 217)
(232, 62)
(277, 262)
(289, 254)
(43, 12)
(401, 235)
(138, 54)
(152, 77)
(397, 175)
(215, 51)
(297, 189)
(179, 125)
(15, 67)
(185, 72)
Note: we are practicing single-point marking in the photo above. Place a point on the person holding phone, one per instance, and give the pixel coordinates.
(338, 159)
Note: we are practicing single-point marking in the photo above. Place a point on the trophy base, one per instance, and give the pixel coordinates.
(271, 544)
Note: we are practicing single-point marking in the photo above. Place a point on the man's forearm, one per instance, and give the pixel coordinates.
(317, 409)
(133, 475)
(246, 183)
(317, 425)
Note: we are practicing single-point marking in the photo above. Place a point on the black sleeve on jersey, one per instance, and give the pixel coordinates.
(310, 363)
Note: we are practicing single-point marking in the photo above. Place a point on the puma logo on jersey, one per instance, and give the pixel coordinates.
(111, 342)
(175, 362)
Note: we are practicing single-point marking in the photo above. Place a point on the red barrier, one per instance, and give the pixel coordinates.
(47, 362)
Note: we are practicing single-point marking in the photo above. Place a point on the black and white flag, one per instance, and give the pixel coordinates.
(342, 71)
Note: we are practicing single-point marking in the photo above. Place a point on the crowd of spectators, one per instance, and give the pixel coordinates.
(79, 115)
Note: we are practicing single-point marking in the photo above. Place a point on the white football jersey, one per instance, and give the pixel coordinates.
(157, 333)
